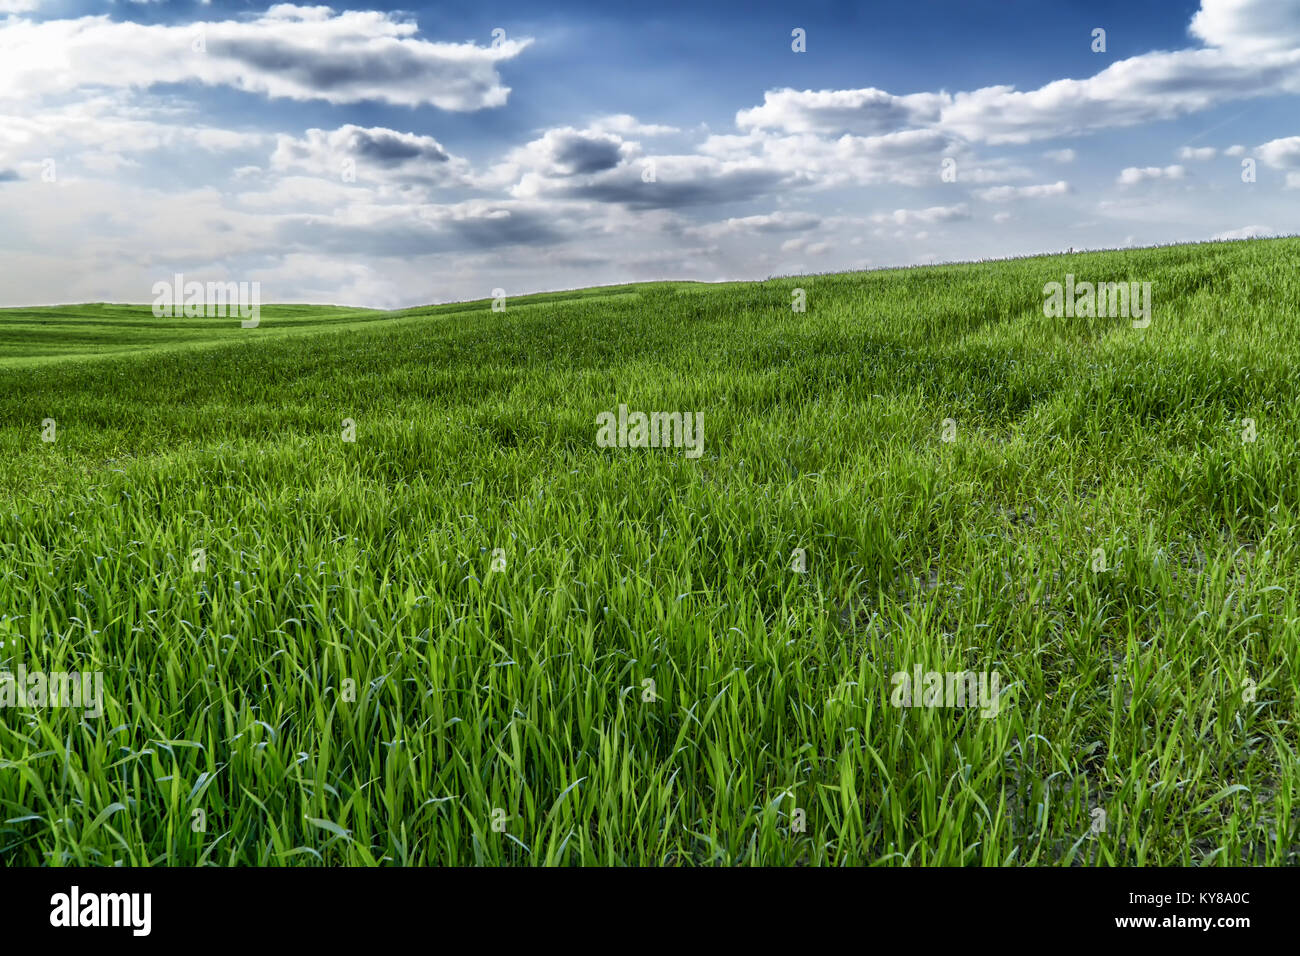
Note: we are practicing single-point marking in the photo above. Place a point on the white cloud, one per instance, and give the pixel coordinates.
(627, 125)
(292, 194)
(1008, 193)
(1250, 26)
(991, 171)
(300, 53)
(570, 206)
(1134, 175)
(868, 112)
(904, 217)
(1245, 232)
(1253, 51)
(564, 152)
(907, 157)
(369, 155)
(805, 245)
(1280, 153)
(1141, 89)
(110, 125)
(776, 222)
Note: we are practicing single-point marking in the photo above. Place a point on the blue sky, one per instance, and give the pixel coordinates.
(381, 155)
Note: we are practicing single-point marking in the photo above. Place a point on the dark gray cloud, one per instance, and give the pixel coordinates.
(389, 149)
(354, 72)
(864, 112)
(675, 188)
(374, 154)
(401, 235)
(577, 154)
(299, 52)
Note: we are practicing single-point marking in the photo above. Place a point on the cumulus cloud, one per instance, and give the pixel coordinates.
(625, 124)
(777, 222)
(1134, 174)
(600, 166)
(397, 230)
(1009, 193)
(1249, 26)
(1280, 153)
(805, 245)
(865, 112)
(374, 153)
(293, 52)
(678, 182)
(1142, 89)
(100, 94)
(99, 130)
(906, 157)
(568, 152)
(905, 217)
(550, 162)
(1252, 50)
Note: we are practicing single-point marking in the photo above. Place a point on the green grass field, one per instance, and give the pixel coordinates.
(347, 681)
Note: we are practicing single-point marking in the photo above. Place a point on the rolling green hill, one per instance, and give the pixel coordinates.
(474, 635)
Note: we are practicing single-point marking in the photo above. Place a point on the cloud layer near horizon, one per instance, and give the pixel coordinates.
(94, 113)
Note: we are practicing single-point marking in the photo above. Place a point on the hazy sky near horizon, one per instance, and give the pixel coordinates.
(389, 156)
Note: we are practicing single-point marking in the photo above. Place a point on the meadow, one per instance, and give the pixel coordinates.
(472, 635)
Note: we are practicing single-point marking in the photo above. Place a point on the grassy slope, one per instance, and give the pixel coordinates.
(523, 690)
